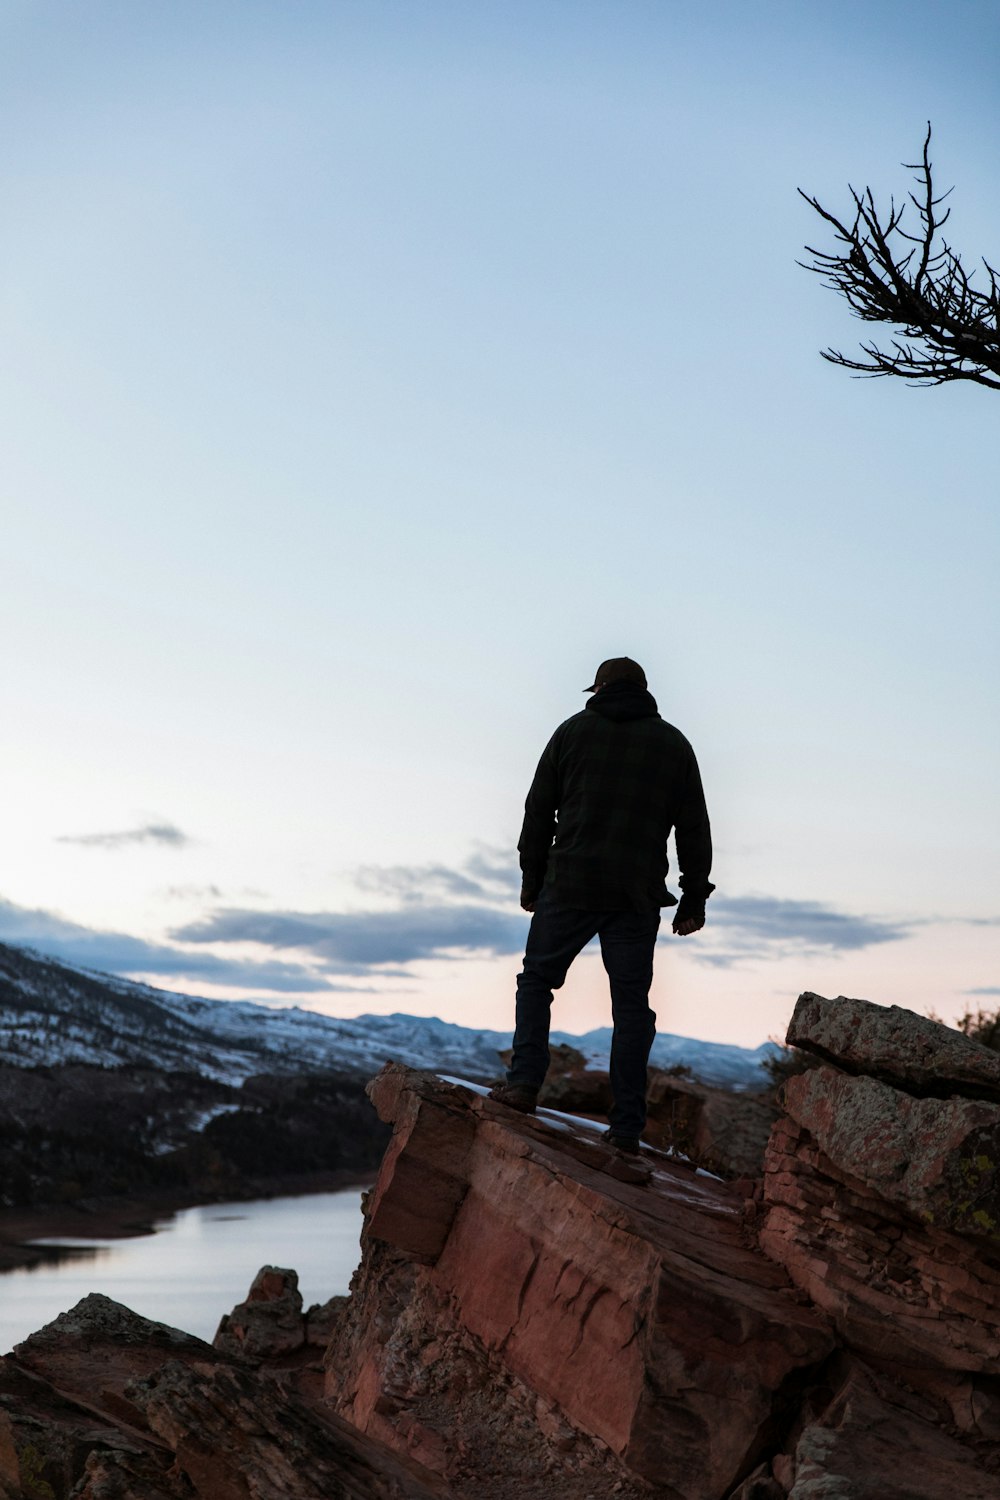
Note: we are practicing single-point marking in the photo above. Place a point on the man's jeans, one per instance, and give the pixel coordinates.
(556, 936)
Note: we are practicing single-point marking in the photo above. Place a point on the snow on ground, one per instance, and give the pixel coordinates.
(555, 1119)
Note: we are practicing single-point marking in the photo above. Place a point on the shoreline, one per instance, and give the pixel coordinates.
(131, 1218)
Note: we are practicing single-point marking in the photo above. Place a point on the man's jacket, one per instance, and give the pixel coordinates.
(611, 784)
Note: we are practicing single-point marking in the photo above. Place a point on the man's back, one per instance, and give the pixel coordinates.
(611, 784)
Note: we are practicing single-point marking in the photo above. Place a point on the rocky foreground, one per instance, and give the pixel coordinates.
(537, 1316)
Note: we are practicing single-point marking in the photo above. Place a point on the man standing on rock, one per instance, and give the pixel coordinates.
(611, 784)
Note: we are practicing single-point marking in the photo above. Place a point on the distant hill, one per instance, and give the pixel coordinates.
(53, 1014)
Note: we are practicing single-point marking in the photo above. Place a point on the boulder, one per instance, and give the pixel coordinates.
(871, 1441)
(937, 1158)
(269, 1323)
(888, 1042)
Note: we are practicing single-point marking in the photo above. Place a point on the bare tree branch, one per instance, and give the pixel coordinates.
(945, 329)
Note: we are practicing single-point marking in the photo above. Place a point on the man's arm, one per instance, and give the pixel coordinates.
(693, 834)
(538, 829)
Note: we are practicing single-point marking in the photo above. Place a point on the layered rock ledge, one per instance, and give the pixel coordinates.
(536, 1316)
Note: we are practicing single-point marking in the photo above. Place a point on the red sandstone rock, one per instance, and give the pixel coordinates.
(573, 1333)
(321, 1320)
(667, 1348)
(894, 1044)
(105, 1405)
(872, 1442)
(424, 1164)
(897, 1291)
(269, 1323)
(937, 1158)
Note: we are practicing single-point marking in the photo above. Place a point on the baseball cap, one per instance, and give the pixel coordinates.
(617, 669)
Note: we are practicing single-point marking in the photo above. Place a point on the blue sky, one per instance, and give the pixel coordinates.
(372, 372)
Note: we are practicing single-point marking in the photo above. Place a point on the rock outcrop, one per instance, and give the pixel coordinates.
(105, 1405)
(537, 1317)
(880, 1200)
(526, 1323)
(271, 1322)
(511, 1285)
(885, 1041)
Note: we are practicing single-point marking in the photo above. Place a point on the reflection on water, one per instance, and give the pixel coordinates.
(197, 1265)
(56, 1252)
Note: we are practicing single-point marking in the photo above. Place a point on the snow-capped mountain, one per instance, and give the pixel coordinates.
(52, 1013)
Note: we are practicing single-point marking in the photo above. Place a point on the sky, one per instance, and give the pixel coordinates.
(372, 372)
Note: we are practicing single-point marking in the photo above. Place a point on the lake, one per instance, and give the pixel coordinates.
(197, 1266)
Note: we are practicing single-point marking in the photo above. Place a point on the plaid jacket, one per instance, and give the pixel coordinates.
(611, 784)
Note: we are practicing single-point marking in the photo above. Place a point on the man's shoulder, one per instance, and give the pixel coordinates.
(569, 726)
(672, 732)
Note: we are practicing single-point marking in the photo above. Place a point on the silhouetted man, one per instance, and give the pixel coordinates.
(611, 784)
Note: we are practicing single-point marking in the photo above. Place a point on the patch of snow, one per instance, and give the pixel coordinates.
(201, 1119)
(572, 1122)
(463, 1083)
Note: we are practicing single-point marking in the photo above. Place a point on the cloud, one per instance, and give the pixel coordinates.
(488, 875)
(149, 833)
(986, 989)
(773, 919)
(439, 912)
(771, 927)
(120, 953)
(354, 942)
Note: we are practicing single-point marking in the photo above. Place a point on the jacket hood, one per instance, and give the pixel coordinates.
(620, 701)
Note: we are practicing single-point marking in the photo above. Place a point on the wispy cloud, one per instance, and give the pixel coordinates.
(744, 928)
(355, 942)
(439, 911)
(776, 919)
(120, 953)
(488, 875)
(986, 989)
(149, 833)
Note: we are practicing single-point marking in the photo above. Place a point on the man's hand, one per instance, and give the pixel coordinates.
(684, 926)
(528, 899)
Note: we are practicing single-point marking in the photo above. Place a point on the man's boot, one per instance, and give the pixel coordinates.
(516, 1096)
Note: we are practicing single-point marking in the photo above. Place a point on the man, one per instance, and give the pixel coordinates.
(611, 784)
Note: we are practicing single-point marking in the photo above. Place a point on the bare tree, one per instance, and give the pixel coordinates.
(945, 329)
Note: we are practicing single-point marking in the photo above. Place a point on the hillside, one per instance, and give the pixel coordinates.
(52, 1014)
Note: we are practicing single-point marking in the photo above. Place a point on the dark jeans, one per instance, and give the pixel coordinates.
(555, 937)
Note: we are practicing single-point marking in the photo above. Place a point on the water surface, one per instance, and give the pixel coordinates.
(197, 1266)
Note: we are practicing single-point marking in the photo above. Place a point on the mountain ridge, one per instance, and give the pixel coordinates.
(53, 1013)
